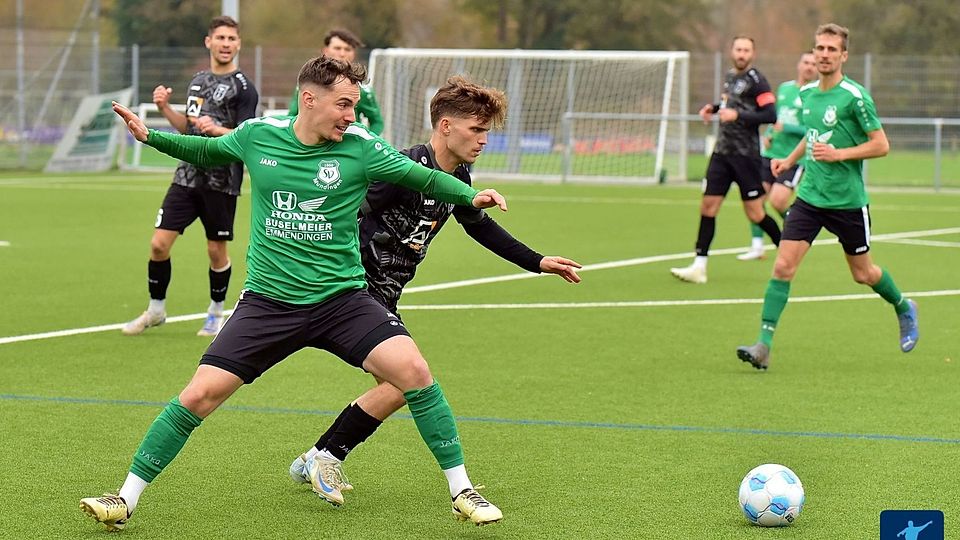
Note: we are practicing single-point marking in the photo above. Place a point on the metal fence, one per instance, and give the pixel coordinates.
(919, 97)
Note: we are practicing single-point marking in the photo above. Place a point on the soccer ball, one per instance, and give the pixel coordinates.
(771, 495)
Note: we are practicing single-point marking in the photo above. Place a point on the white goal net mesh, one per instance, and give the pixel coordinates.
(572, 115)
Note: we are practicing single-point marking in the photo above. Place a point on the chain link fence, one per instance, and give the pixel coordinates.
(38, 97)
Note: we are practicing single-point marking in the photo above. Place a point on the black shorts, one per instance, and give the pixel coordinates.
(182, 205)
(724, 170)
(852, 227)
(262, 332)
(789, 178)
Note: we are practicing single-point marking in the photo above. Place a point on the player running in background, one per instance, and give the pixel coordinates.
(218, 100)
(305, 284)
(779, 140)
(842, 130)
(746, 103)
(342, 45)
(396, 228)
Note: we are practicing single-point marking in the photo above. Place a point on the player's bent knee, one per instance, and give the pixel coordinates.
(200, 401)
(864, 278)
(159, 251)
(419, 375)
(784, 270)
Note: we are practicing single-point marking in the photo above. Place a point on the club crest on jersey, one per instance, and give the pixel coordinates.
(220, 92)
(830, 116)
(740, 86)
(328, 175)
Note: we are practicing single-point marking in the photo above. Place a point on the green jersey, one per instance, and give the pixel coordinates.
(304, 245)
(841, 117)
(788, 115)
(367, 107)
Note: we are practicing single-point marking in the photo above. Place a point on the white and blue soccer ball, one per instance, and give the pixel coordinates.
(771, 495)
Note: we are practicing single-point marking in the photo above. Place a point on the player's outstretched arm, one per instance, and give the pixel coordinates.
(133, 122)
(200, 151)
(565, 268)
(489, 198)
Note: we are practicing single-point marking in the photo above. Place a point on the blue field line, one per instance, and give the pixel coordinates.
(517, 421)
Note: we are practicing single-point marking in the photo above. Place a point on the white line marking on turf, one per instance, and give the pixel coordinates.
(931, 243)
(94, 329)
(4, 243)
(667, 303)
(527, 275)
(656, 259)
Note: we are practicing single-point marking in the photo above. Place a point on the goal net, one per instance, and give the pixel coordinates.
(140, 157)
(613, 116)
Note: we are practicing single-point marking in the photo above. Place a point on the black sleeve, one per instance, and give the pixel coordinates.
(489, 234)
(247, 104)
(764, 115)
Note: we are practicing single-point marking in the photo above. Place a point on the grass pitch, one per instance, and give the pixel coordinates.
(611, 409)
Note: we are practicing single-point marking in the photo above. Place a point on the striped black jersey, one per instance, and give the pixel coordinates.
(749, 93)
(229, 99)
(397, 225)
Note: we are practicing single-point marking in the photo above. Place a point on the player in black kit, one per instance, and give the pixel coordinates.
(746, 102)
(396, 228)
(217, 101)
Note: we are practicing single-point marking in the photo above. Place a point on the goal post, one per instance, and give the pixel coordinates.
(132, 157)
(577, 116)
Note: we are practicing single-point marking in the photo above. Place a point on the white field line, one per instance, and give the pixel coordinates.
(660, 258)
(527, 275)
(4, 243)
(931, 243)
(668, 303)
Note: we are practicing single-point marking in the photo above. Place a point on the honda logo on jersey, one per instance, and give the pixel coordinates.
(284, 200)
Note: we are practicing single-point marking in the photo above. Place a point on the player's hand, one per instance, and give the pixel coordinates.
(562, 267)
(161, 96)
(728, 115)
(489, 198)
(208, 126)
(706, 112)
(825, 152)
(777, 166)
(766, 141)
(133, 122)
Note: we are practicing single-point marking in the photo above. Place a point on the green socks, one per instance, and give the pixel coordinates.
(774, 301)
(888, 290)
(755, 231)
(434, 420)
(163, 440)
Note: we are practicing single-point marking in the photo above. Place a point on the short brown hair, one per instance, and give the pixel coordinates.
(461, 98)
(222, 20)
(325, 71)
(345, 35)
(833, 29)
(741, 36)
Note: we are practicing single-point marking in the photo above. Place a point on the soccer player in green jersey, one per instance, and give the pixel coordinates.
(342, 45)
(397, 228)
(778, 141)
(305, 283)
(842, 130)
